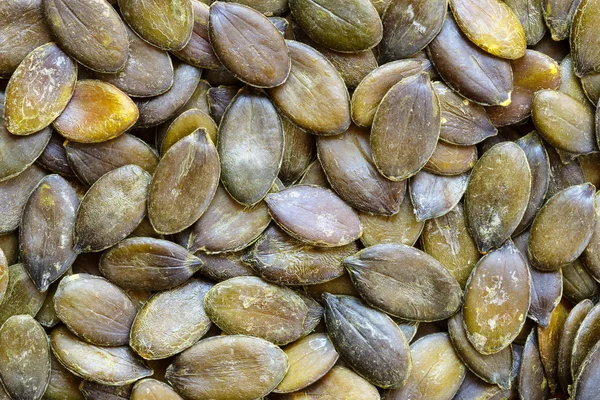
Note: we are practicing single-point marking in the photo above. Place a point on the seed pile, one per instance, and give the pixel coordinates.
(299, 199)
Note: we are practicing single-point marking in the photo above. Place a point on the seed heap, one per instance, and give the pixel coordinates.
(299, 199)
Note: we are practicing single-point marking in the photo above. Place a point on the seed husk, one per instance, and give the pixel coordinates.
(24, 358)
(171, 321)
(125, 190)
(46, 234)
(14, 193)
(22, 296)
(171, 32)
(17, 153)
(98, 43)
(532, 379)
(368, 340)
(435, 195)
(250, 147)
(248, 45)
(584, 38)
(501, 277)
(448, 159)
(184, 183)
(115, 366)
(497, 195)
(39, 90)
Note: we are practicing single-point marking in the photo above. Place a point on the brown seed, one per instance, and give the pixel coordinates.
(9, 245)
(250, 368)
(63, 384)
(124, 190)
(148, 264)
(24, 358)
(435, 195)
(54, 157)
(184, 184)
(186, 123)
(491, 25)
(47, 315)
(584, 38)
(219, 99)
(449, 159)
(591, 87)
(248, 305)
(250, 147)
(21, 296)
(567, 341)
(95, 309)
(587, 379)
(171, 32)
(368, 340)
(500, 278)
(151, 389)
(248, 45)
(497, 195)
(591, 254)
(46, 234)
(267, 7)
(437, 371)
(475, 388)
(313, 80)
(96, 391)
(39, 90)
(314, 175)
(279, 258)
(578, 284)
(531, 16)
(532, 379)
(223, 266)
(298, 152)
(314, 215)
(171, 321)
(585, 339)
(346, 160)
(97, 112)
(460, 63)
(562, 228)
(549, 340)
(98, 43)
(17, 153)
(115, 366)
(558, 15)
(14, 193)
(562, 175)
(570, 83)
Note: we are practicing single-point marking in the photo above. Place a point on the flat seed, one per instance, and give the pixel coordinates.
(24, 358)
(39, 90)
(223, 266)
(90, 161)
(151, 389)
(491, 25)
(115, 366)
(298, 152)
(401, 152)
(347, 161)
(586, 381)
(98, 43)
(351, 26)
(248, 305)
(549, 341)
(460, 63)
(409, 26)
(314, 215)
(497, 195)
(423, 290)
(435, 195)
(563, 228)
(97, 112)
(585, 339)
(184, 184)
(148, 71)
(267, 7)
(54, 157)
(47, 315)
(475, 388)
(531, 15)
(342, 286)
(532, 379)
(3, 275)
(171, 32)
(570, 83)
(186, 123)
(584, 38)
(279, 258)
(252, 368)
(17, 153)
(96, 391)
(248, 45)
(447, 239)
(45, 237)
(449, 159)
(314, 175)
(21, 296)
(125, 189)
(63, 384)
(558, 15)
(9, 245)
(591, 87)
(95, 309)
(433, 356)
(493, 368)
(368, 340)
(219, 99)
(171, 321)
(578, 284)
(310, 358)
(501, 277)
(250, 147)
(14, 193)
(313, 80)
(562, 175)
(371, 90)
(590, 256)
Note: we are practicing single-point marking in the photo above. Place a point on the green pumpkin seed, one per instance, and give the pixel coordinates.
(497, 195)
(549, 341)
(586, 380)
(532, 379)
(342, 286)
(9, 246)
(47, 315)
(45, 237)
(199, 99)
(248, 305)
(22, 296)
(562, 175)
(434, 195)
(14, 193)
(223, 266)
(24, 358)
(449, 159)
(585, 339)
(54, 157)
(558, 15)
(125, 190)
(267, 7)
(500, 278)
(475, 388)
(115, 366)
(346, 160)
(98, 43)
(171, 32)
(578, 283)
(171, 321)
(590, 254)
(423, 290)
(63, 384)
(184, 184)
(150, 389)
(186, 123)
(591, 87)
(250, 147)
(248, 45)
(96, 391)
(298, 152)
(569, 82)
(219, 99)
(531, 16)
(313, 80)
(252, 368)
(584, 38)
(17, 153)
(400, 153)
(39, 90)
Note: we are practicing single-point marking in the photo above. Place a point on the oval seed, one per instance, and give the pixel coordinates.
(585, 339)
(558, 15)
(578, 284)
(449, 159)
(434, 195)
(590, 254)
(21, 296)
(186, 123)
(63, 384)
(223, 266)
(54, 157)
(586, 381)
(584, 38)
(151, 389)
(532, 379)
(549, 341)
(567, 341)
(17, 153)
(93, 390)
(14, 193)
(531, 16)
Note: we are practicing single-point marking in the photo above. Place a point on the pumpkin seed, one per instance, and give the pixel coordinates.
(567, 341)
(14, 193)
(531, 15)
(47, 315)
(22, 296)
(219, 99)
(434, 195)
(558, 15)
(449, 159)
(578, 284)
(584, 38)
(298, 152)
(267, 7)
(186, 123)
(96, 391)
(223, 266)
(54, 157)
(17, 153)
(63, 384)
(150, 389)
(570, 83)
(585, 382)
(585, 339)
(549, 340)
(532, 379)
